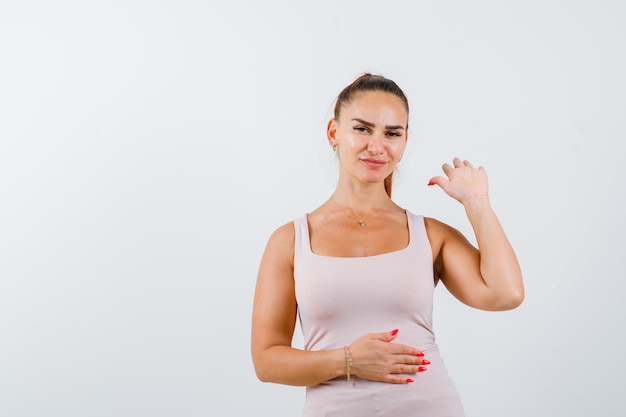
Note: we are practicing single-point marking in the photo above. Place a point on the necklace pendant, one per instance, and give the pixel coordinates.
(361, 223)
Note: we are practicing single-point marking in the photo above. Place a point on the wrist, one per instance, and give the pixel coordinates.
(348, 358)
(477, 203)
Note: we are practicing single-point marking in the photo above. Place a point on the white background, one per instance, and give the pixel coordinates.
(148, 149)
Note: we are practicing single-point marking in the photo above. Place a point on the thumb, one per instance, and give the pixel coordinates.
(440, 181)
(388, 336)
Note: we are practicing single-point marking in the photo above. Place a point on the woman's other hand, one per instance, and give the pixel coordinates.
(377, 358)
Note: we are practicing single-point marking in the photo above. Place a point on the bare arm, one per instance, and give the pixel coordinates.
(273, 323)
(274, 319)
(488, 278)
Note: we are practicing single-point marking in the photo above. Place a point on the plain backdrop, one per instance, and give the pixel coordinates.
(149, 148)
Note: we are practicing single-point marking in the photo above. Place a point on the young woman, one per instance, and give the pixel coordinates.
(360, 272)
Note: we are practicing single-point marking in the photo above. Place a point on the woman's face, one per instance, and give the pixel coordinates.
(371, 135)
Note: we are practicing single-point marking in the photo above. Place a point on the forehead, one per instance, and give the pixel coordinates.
(374, 105)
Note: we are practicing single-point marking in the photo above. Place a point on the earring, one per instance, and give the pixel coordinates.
(334, 148)
(400, 159)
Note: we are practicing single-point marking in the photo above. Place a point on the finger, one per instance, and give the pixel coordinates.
(404, 369)
(468, 164)
(447, 168)
(404, 353)
(386, 336)
(440, 181)
(408, 369)
(398, 379)
(411, 359)
(457, 162)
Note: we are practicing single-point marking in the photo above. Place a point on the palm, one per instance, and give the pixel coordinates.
(463, 182)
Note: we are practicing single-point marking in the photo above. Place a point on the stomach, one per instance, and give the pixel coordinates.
(433, 394)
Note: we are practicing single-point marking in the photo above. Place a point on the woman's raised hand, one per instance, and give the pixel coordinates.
(464, 183)
(376, 358)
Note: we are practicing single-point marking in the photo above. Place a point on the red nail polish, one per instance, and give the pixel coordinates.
(422, 369)
(409, 380)
(425, 362)
(394, 332)
(419, 354)
(430, 183)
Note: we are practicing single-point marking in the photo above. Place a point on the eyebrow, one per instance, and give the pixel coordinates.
(370, 124)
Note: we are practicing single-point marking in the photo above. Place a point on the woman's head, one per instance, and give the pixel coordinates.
(369, 82)
(371, 119)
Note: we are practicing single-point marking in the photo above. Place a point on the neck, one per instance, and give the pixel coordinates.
(362, 196)
(361, 204)
(367, 210)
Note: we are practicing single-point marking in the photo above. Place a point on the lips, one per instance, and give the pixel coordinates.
(374, 162)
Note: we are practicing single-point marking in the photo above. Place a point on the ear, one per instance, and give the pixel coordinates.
(331, 131)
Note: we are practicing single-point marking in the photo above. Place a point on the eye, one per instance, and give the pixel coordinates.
(393, 133)
(362, 129)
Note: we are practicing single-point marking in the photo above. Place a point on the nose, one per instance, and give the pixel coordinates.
(375, 145)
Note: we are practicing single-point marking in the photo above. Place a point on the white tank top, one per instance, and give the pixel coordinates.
(341, 298)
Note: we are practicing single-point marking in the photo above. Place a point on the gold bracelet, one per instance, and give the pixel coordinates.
(346, 348)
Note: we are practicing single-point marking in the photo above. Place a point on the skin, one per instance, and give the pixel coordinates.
(371, 135)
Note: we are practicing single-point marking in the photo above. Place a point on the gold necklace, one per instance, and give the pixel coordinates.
(348, 212)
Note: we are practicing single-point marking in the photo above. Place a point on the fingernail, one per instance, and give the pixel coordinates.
(430, 183)
(422, 369)
(394, 332)
(409, 380)
(425, 362)
(419, 354)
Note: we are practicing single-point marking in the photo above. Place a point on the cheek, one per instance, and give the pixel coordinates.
(353, 142)
(398, 148)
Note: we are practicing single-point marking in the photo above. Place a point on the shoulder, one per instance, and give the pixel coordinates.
(436, 231)
(283, 236)
(437, 226)
(434, 224)
(444, 242)
(439, 230)
(439, 233)
(279, 249)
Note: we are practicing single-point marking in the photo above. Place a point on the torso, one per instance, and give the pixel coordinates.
(334, 234)
(347, 284)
